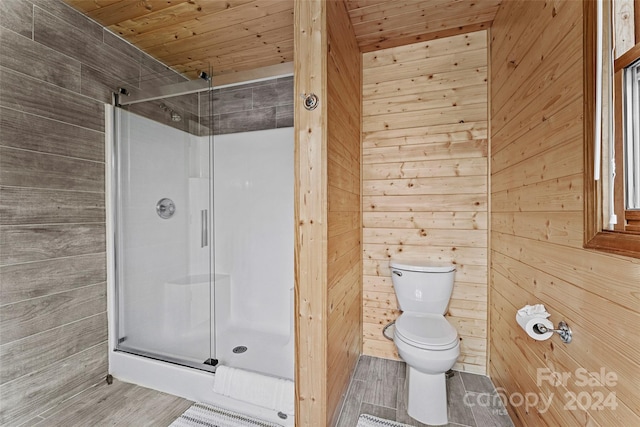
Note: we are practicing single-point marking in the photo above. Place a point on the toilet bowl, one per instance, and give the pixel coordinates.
(431, 347)
(425, 340)
(428, 358)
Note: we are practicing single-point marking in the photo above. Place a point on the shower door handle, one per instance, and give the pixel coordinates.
(204, 235)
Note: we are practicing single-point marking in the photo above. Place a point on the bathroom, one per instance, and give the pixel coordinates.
(522, 177)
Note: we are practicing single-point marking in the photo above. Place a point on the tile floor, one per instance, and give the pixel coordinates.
(118, 404)
(378, 388)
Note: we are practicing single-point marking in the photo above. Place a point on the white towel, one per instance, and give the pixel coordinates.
(261, 390)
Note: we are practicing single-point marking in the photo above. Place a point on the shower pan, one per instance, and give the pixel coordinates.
(200, 243)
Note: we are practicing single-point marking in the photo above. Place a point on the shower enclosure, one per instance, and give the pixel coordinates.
(200, 241)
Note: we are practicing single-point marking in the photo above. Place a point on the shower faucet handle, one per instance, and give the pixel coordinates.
(165, 208)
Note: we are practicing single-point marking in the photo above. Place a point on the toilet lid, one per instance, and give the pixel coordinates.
(423, 266)
(426, 331)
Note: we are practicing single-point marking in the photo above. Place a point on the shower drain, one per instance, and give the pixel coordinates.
(239, 349)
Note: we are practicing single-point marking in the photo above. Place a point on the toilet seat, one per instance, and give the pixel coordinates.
(426, 331)
(423, 266)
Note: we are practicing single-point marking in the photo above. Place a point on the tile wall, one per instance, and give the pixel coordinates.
(57, 69)
(253, 106)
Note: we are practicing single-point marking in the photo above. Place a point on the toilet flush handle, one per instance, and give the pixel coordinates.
(397, 273)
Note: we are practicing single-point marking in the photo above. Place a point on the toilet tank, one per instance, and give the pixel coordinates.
(422, 287)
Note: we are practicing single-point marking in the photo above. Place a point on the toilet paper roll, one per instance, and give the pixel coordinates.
(528, 322)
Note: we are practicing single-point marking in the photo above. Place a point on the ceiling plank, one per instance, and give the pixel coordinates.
(409, 53)
(188, 15)
(181, 42)
(381, 11)
(238, 35)
(409, 39)
(219, 43)
(127, 9)
(242, 59)
(447, 16)
(89, 5)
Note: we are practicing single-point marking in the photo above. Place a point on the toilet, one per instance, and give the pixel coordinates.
(425, 340)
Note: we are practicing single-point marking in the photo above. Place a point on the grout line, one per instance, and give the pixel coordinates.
(53, 189)
(61, 88)
(51, 118)
(53, 410)
(41, 368)
(52, 154)
(381, 406)
(33, 38)
(29, 422)
(49, 295)
(472, 413)
(82, 15)
(52, 259)
(50, 224)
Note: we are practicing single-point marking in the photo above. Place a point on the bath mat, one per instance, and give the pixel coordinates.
(201, 415)
(366, 420)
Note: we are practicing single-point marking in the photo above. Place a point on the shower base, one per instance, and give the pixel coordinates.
(266, 353)
(192, 384)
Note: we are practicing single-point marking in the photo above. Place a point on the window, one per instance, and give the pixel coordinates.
(631, 140)
(612, 126)
(631, 143)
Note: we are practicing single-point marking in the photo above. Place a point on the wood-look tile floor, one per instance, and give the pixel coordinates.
(118, 404)
(378, 388)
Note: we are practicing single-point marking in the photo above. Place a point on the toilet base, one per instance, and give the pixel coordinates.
(427, 397)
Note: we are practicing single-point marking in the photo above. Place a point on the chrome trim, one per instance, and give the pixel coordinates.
(204, 229)
(167, 91)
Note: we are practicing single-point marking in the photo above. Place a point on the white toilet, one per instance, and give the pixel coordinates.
(426, 341)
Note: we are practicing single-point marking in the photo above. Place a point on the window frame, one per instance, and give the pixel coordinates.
(630, 100)
(618, 241)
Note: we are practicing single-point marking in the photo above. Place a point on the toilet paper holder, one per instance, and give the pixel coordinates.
(563, 330)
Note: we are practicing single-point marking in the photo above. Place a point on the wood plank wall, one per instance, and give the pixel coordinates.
(425, 180)
(344, 279)
(328, 263)
(537, 229)
(310, 206)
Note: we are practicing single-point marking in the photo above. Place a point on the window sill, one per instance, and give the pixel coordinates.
(617, 242)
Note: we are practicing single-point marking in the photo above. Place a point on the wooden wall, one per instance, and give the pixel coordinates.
(310, 202)
(57, 68)
(328, 265)
(425, 180)
(344, 280)
(537, 229)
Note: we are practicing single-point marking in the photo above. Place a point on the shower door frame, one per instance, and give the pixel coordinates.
(141, 367)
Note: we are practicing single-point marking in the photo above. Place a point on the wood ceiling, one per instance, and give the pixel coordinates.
(380, 24)
(235, 36)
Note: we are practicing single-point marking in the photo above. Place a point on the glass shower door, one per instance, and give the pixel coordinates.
(163, 230)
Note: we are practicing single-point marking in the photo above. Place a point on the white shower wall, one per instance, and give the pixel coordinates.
(165, 305)
(253, 194)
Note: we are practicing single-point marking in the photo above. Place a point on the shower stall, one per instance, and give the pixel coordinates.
(200, 243)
